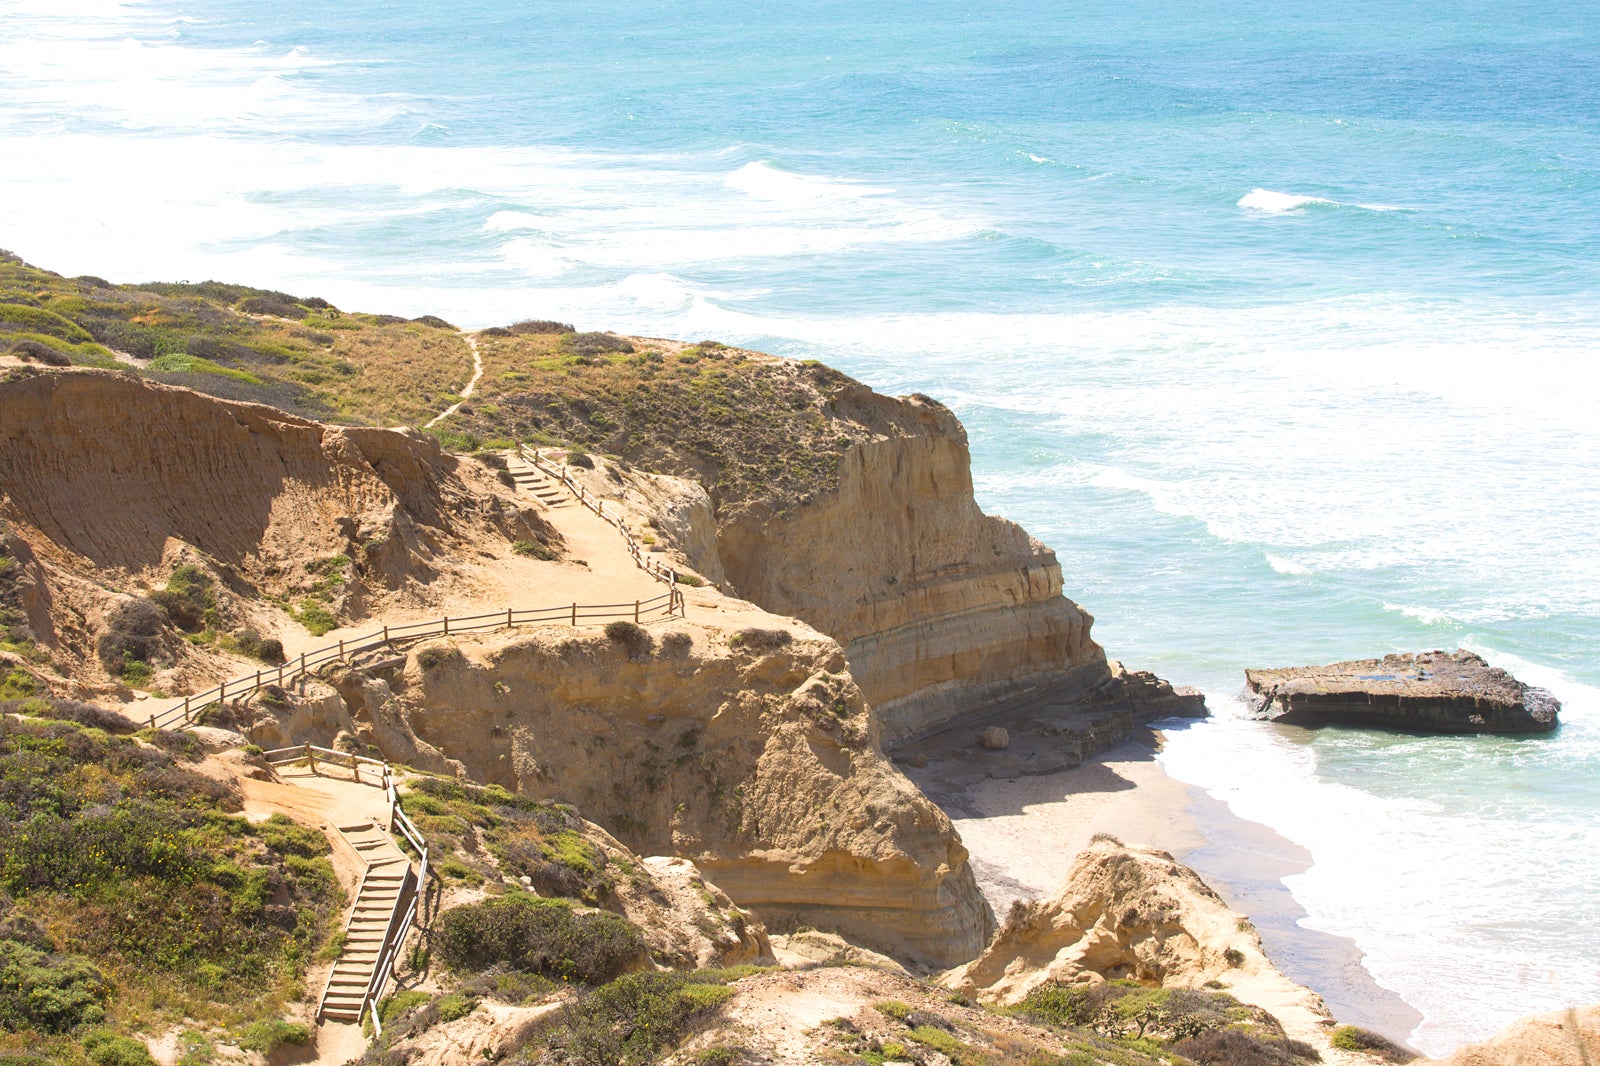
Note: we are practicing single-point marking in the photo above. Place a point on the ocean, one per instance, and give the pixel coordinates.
(1276, 319)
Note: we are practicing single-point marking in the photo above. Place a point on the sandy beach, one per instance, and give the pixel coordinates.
(1023, 834)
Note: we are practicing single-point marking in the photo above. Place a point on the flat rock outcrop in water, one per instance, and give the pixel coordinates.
(1433, 692)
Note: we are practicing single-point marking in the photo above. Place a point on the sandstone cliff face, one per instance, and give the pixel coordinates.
(760, 764)
(1564, 1038)
(941, 609)
(107, 481)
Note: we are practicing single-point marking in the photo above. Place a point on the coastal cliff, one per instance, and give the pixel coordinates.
(941, 609)
(755, 757)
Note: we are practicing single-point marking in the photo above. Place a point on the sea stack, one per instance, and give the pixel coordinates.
(1430, 692)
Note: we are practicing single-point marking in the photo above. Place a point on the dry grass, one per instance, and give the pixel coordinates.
(752, 428)
(297, 354)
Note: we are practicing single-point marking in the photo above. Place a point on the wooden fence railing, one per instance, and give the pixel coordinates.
(412, 891)
(641, 558)
(667, 605)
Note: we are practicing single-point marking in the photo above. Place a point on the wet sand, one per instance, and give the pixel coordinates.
(1023, 834)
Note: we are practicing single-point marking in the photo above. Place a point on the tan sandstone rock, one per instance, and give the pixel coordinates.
(760, 766)
(1134, 912)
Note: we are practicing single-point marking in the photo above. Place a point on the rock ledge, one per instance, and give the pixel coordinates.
(1432, 692)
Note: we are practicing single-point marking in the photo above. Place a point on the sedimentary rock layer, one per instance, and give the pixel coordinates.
(1434, 692)
(941, 609)
(760, 765)
(109, 468)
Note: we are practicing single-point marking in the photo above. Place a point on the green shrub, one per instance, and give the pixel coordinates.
(539, 325)
(533, 549)
(1354, 1038)
(401, 1003)
(39, 320)
(893, 1008)
(635, 1018)
(694, 581)
(540, 936)
(269, 1034)
(109, 1049)
(455, 1006)
(189, 599)
(17, 684)
(47, 993)
(316, 618)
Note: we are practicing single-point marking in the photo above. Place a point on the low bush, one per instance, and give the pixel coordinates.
(635, 638)
(277, 304)
(634, 1018)
(534, 549)
(316, 618)
(1233, 1047)
(433, 321)
(134, 631)
(38, 352)
(539, 936)
(46, 992)
(761, 640)
(269, 1034)
(539, 325)
(63, 710)
(109, 1049)
(189, 599)
(1355, 1038)
(595, 344)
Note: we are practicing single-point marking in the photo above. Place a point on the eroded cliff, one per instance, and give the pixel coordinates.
(750, 752)
(108, 483)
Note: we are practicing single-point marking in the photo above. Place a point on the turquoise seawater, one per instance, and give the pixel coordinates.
(1277, 320)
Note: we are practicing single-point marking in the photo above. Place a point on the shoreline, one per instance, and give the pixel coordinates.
(1128, 794)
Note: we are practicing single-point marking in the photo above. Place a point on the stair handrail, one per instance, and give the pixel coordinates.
(665, 574)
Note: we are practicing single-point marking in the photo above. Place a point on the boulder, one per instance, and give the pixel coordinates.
(994, 738)
(1431, 692)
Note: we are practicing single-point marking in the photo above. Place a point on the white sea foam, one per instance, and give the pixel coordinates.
(1280, 203)
(1380, 856)
(1288, 566)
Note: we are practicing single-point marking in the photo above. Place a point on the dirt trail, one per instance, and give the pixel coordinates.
(595, 569)
(466, 393)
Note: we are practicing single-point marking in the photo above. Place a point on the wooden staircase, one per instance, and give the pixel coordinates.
(541, 486)
(375, 921)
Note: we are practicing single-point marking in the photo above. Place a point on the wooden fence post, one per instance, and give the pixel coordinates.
(311, 759)
(341, 649)
(386, 634)
(636, 611)
(447, 625)
(509, 623)
(574, 614)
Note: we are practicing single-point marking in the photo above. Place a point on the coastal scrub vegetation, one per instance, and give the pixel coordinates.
(513, 838)
(133, 896)
(752, 429)
(1206, 1027)
(300, 354)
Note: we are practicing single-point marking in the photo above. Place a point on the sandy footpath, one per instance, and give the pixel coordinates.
(1023, 834)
